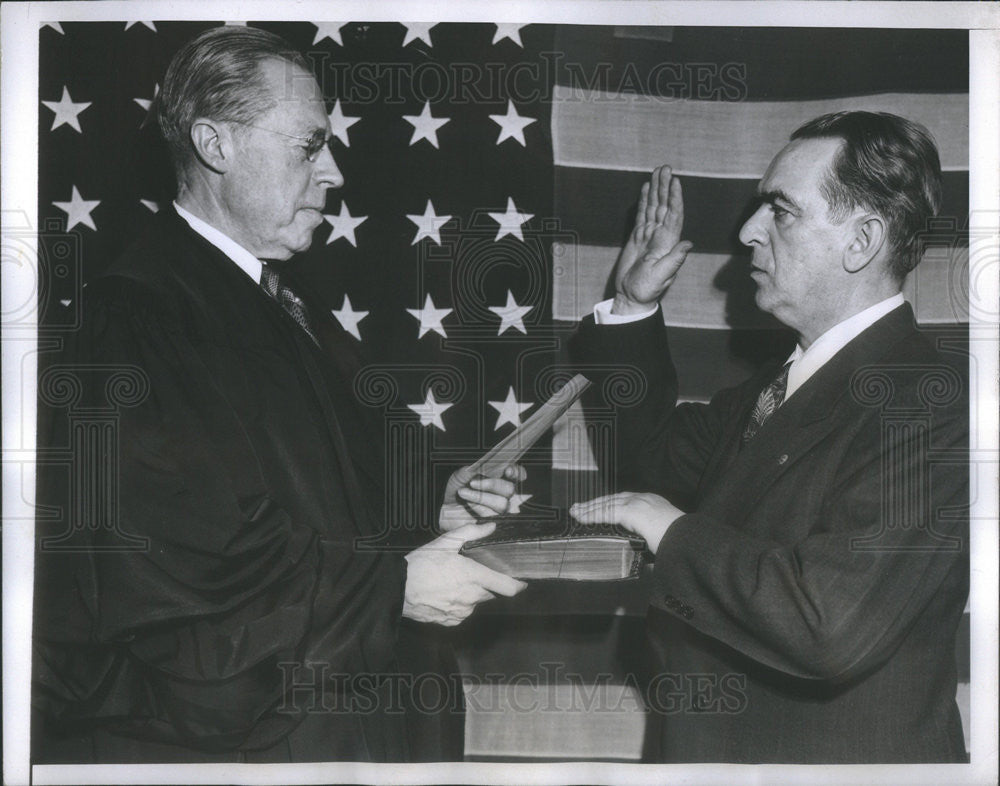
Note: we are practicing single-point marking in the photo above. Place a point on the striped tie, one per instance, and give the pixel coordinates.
(768, 401)
(271, 281)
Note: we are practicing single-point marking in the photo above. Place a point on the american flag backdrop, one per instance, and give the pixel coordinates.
(491, 173)
(434, 256)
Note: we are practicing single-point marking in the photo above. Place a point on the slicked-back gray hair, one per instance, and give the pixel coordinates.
(217, 75)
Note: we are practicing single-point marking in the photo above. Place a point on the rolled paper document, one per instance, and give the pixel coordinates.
(509, 449)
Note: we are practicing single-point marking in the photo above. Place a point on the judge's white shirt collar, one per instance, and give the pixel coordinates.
(806, 362)
(246, 261)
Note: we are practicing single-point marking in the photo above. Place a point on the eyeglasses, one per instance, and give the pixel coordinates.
(313, 144)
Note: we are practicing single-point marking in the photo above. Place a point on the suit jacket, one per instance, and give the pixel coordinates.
(213, 596)
(804, 609)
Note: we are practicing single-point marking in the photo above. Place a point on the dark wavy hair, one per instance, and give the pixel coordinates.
(217, 75)
(888, 165)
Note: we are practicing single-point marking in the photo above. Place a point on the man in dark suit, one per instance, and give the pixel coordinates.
(204, 593)
(810, 525)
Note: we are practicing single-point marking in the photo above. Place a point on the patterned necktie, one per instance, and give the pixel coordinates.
(272, 283)
(768, 401)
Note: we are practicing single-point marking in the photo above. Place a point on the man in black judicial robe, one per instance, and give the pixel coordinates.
(201, 594)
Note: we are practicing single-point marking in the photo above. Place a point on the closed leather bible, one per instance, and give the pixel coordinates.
(558, 549)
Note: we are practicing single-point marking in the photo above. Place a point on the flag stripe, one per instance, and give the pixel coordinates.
(570, 447)
(597, 206)
(554, 722)
(714, 291)
(724, 139)
(764, 63)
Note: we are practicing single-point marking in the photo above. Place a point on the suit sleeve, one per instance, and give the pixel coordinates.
(636, 356)
(189, 604)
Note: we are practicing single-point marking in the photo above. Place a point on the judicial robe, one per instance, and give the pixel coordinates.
(205, 593)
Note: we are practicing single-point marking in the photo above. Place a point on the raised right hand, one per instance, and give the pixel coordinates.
(444, 587)
(654, 251)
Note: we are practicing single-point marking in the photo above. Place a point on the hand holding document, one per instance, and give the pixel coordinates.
(508, 450)
(528, 548)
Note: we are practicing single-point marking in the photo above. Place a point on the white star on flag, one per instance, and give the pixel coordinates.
(425, 125)
(67, 111)
(430, 317)
(510, 221)
(55, 26)
(78, 210)
(329, 30)
(510, 409)
(429, 224)
(339, 123)
(513, 32)
(415, 30)
(516, 501)
(430, 411)
(146, 103)
(512, 124)
(511, 315)
(150, 25)
(349, 318)
(344, 225)
(150, 205)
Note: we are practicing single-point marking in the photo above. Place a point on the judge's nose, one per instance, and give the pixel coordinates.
(326, 172)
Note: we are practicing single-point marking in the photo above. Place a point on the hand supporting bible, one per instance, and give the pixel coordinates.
(654, 251)
(444, 587)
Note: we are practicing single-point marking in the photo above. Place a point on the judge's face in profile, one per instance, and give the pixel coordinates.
(275, 190)
(797, 245)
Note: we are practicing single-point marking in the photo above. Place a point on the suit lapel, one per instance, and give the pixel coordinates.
(820, 406)
(730, 444)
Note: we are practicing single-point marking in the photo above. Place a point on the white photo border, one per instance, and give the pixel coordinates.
(19, 76)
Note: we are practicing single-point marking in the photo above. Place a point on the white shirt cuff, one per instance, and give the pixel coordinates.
(603, 315)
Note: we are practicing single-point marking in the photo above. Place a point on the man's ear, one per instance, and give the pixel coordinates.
(869, 237)
(213, 144)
